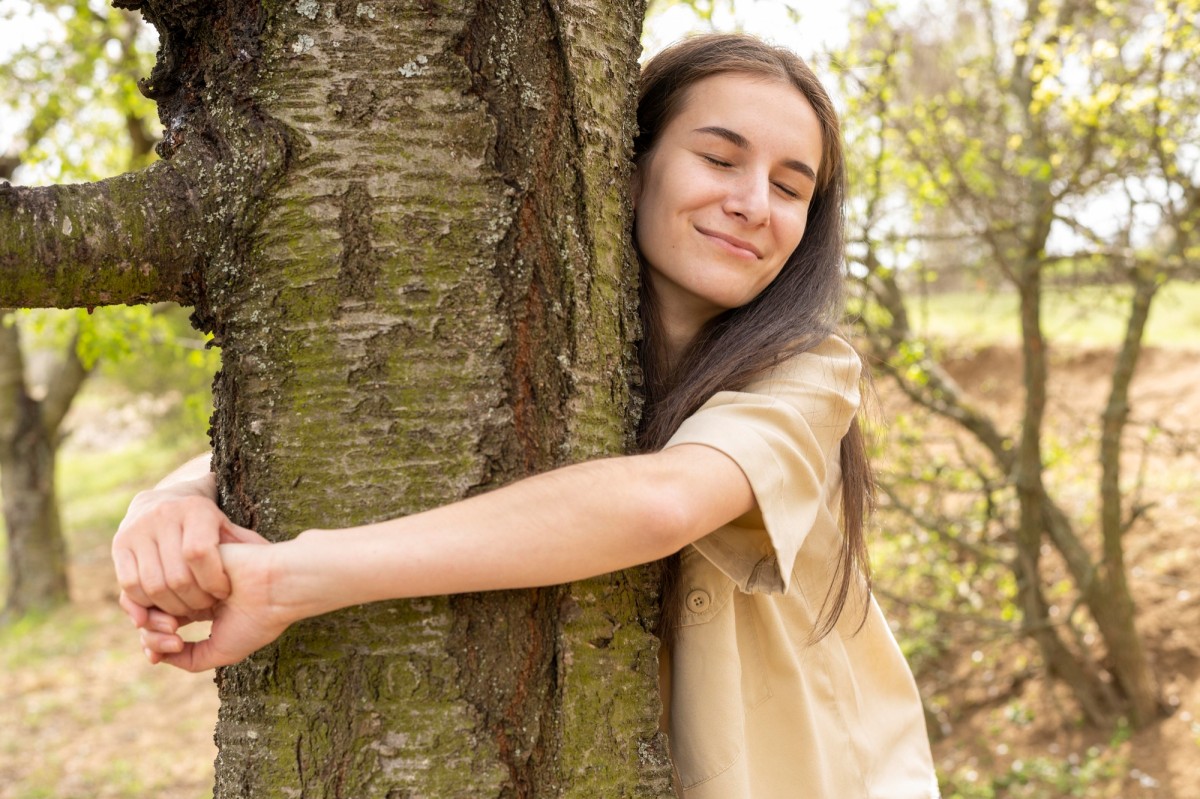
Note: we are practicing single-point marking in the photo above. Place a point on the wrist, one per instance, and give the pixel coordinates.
(293, 584)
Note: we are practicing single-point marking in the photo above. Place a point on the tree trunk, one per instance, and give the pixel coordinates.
(37, 561)
(406, 224)
(1108, 597)
(29, 438)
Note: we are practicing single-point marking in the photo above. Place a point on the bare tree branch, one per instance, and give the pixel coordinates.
(942, 395)
(937, 527)
(122, 240)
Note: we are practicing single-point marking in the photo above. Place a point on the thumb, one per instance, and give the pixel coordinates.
(236, 534)
(196, 656)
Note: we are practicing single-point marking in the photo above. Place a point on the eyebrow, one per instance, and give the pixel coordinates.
(742, 143)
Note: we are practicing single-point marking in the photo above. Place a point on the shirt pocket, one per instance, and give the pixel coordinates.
(718, 675)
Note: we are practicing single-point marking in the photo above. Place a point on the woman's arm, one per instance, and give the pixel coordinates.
(574, 522)
(564, 525)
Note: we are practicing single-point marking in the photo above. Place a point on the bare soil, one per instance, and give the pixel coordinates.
(1163, 760)
(89, 718)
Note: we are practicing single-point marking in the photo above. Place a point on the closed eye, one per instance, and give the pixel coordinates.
(792, 193)
(715, 161)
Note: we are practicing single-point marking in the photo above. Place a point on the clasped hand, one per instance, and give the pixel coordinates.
(179, 559)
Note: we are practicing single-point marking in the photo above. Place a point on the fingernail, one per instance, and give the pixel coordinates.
(149, 654)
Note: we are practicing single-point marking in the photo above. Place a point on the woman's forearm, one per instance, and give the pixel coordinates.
(194, 469)
(564, 525)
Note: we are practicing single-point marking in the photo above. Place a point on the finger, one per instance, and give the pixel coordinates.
(137, 613)
(129, 578)
(180, 579)
(197, 656)
(154, 581)
(161, 643)
(203, 560)
(161, 622)
(236, 534)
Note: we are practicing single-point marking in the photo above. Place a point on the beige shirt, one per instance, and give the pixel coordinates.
(756, 711)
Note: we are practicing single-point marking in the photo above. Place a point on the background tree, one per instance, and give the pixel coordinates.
(1004, 151)
(46, 85)
(405, 224)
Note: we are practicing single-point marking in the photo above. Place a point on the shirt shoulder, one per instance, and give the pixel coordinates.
(783, 431)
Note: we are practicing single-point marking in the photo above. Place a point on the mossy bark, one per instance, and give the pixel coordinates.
(123, 240)
(410, 230)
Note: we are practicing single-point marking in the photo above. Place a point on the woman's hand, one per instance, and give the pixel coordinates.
(165, 550)
(242, 623)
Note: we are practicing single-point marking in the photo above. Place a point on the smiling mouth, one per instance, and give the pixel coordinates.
(732, 243)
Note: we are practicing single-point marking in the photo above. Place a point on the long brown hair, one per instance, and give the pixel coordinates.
(799, 309)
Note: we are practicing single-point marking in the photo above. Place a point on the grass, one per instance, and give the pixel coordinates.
(1093, 316)
(81, 713)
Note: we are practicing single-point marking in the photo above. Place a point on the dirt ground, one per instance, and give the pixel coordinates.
(1162, 761)
(83, 715)
(90, 719)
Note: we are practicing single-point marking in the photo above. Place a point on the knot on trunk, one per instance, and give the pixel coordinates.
(201, 44)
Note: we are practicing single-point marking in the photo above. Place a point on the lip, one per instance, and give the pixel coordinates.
(733, 241)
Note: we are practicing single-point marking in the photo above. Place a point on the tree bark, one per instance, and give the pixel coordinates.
(129, 239)
(1109, 598)
(406, 225)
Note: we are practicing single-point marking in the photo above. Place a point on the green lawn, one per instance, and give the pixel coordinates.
(1092, 317)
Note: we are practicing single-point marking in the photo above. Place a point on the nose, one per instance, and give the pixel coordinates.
(750, 199)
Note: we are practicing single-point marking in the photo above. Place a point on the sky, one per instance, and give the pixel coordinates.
(822, 24)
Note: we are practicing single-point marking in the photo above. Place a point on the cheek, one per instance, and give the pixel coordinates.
(793, 230)
(645, 233)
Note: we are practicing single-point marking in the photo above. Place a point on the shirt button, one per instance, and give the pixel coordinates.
(697, 601)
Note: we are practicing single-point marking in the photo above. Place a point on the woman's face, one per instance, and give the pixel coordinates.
(721, 200)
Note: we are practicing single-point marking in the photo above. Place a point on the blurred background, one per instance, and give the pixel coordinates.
(1024, 243)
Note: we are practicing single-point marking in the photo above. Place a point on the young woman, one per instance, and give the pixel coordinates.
(780, 675)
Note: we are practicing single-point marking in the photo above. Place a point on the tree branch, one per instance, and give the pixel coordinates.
(942, 395)
(937, 527)
(122, 240)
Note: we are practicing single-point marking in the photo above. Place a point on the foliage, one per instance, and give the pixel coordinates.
(70, 91)
(668, 19)
(1056, 146)
(143, 349)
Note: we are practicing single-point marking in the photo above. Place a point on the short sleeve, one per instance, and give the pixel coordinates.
(784, 432)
